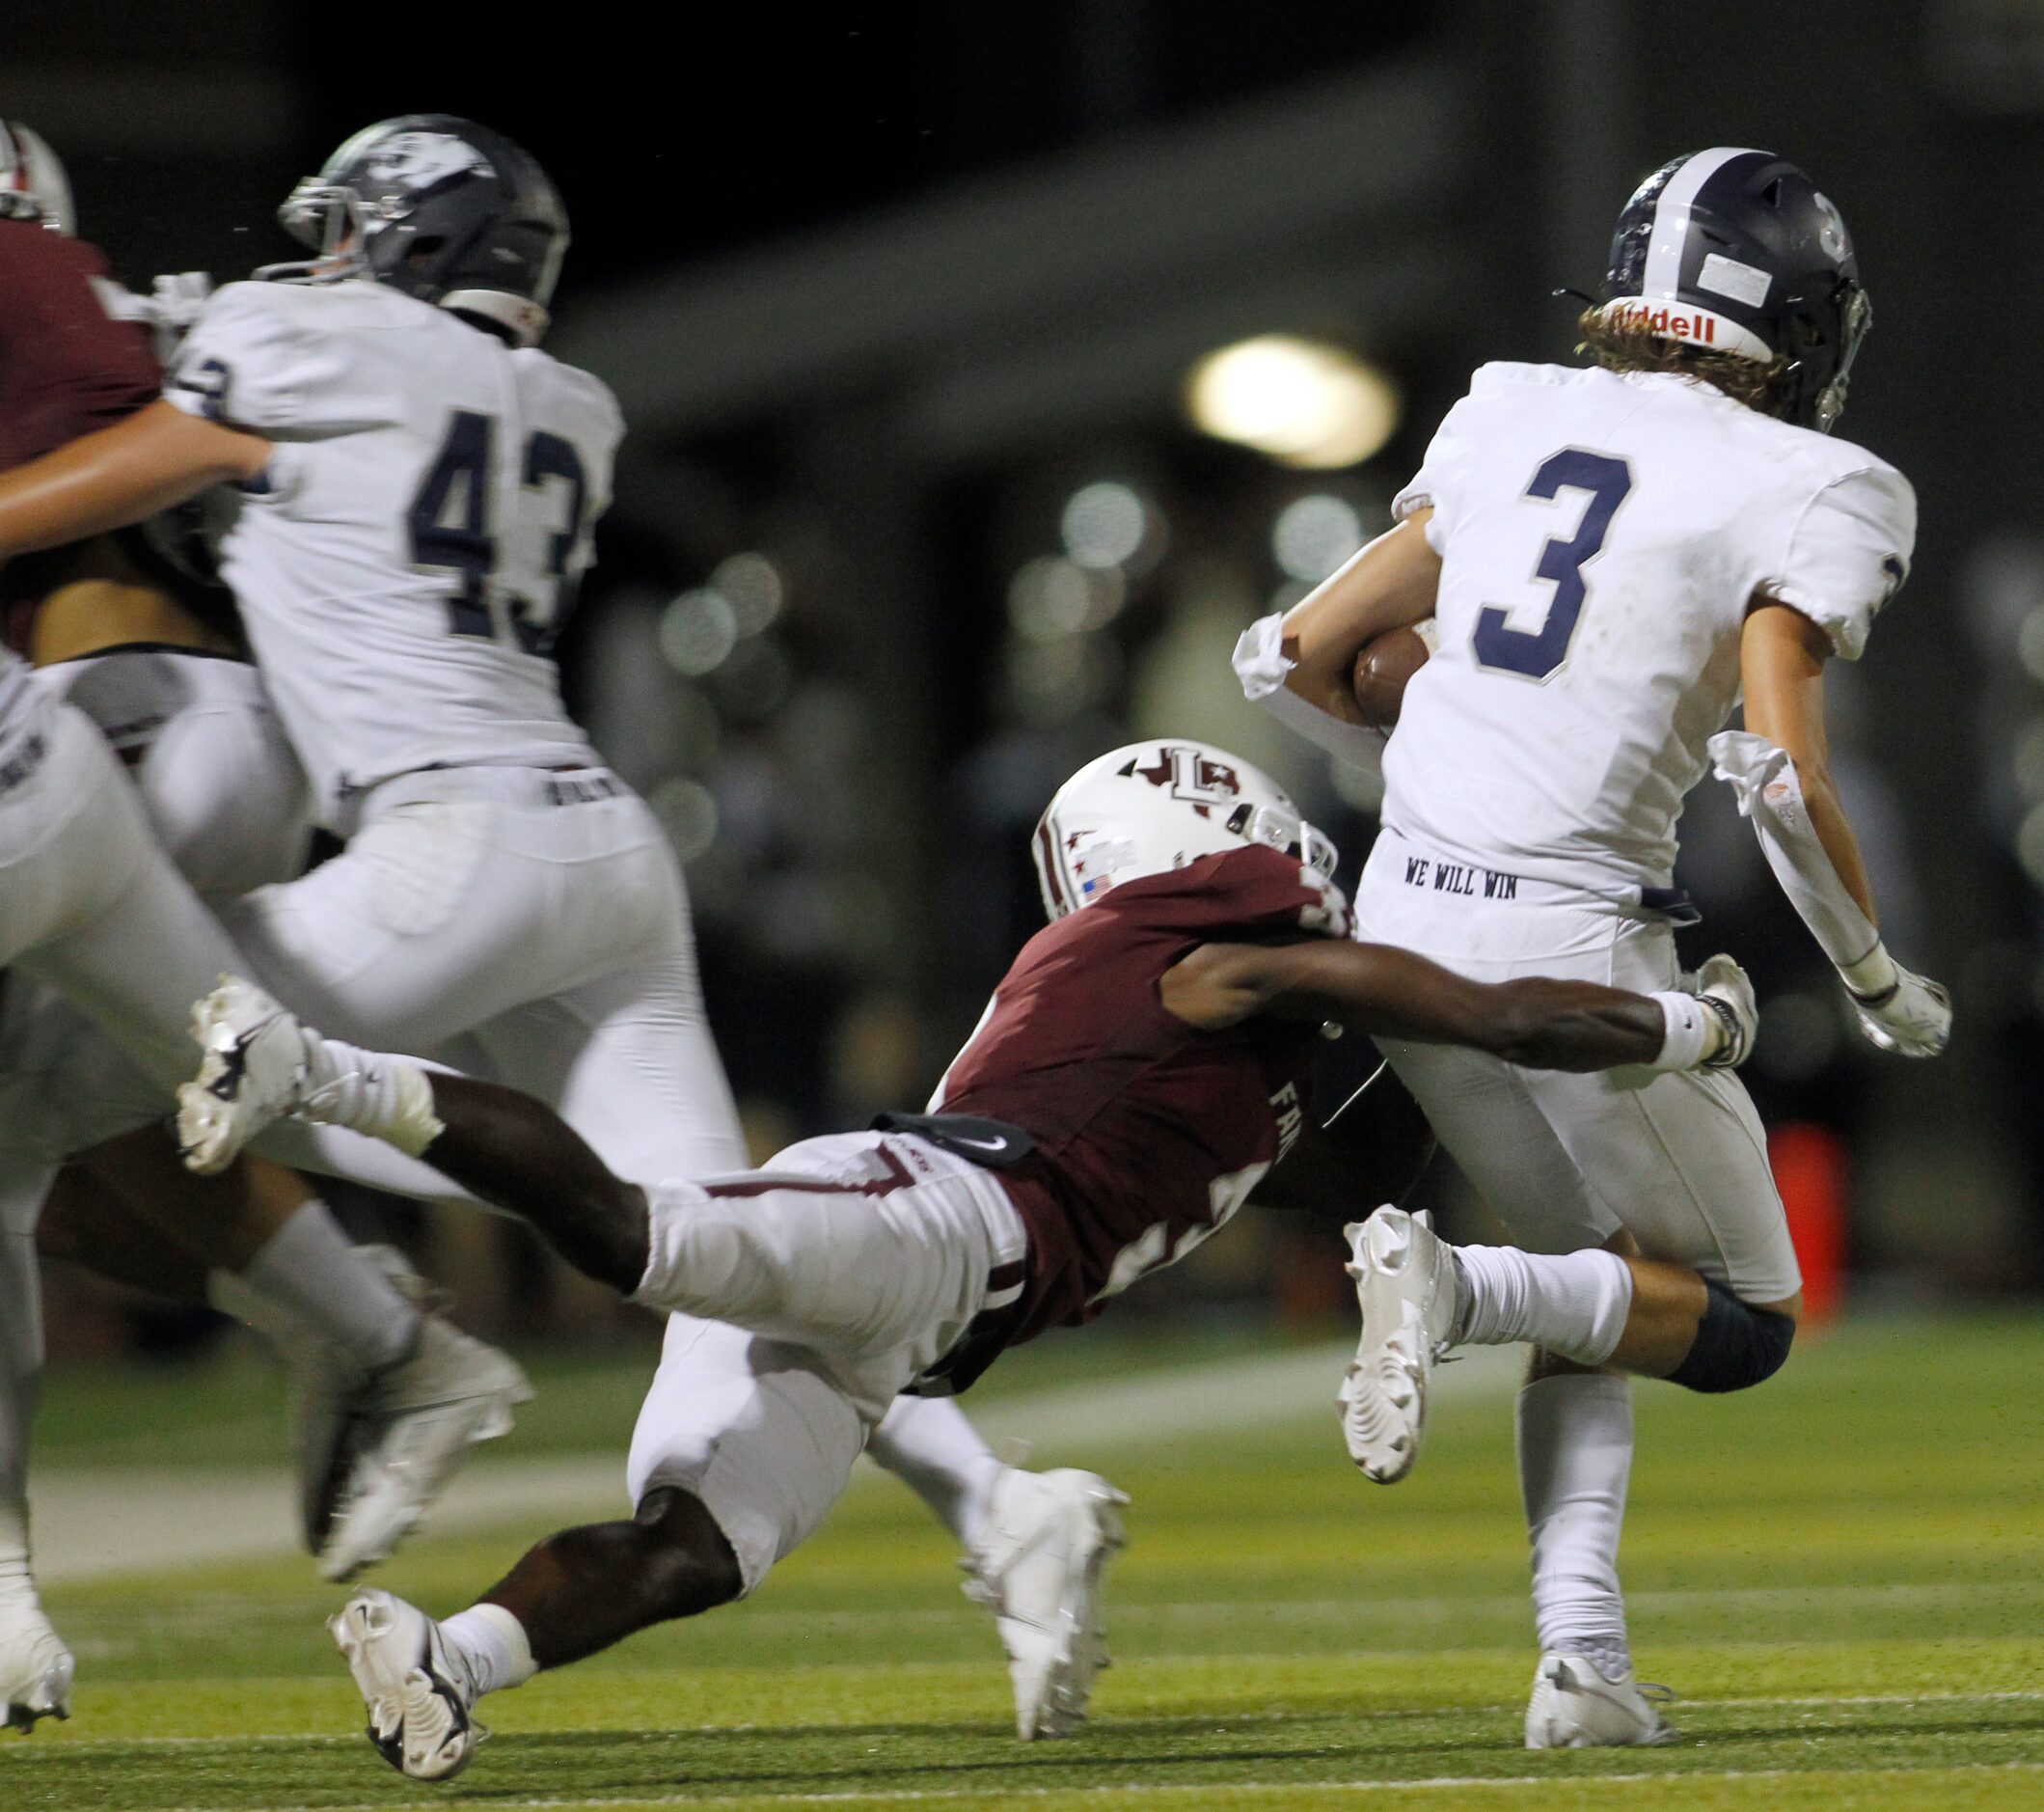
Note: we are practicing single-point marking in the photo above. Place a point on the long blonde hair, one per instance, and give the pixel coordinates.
(1621, 342)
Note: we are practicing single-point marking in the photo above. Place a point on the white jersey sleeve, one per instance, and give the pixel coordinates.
(248, 362)
(1848, 554)
(1445, 473)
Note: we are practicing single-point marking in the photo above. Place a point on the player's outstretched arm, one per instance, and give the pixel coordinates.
(1780, 769)
(1538, 1023)
(155, 458)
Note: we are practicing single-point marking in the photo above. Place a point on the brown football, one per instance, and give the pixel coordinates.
(1381, 669)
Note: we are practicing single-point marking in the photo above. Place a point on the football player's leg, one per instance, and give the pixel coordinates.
(1682, 1160)
(629, 1064)
(95, 908)
(36, 1668)
(849, 1243)
(628, 1061)
(1408, 1285)
(742, 1447)
(373, 1370)
(420, 929)
(1575, 1423)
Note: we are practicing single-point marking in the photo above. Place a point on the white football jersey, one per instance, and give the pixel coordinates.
(407, 557)
(219, 783)
(1601, 537)
(14, 687)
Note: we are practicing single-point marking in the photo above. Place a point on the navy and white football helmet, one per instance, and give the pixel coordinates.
(440, 207)
(32, 185)
(1738, 251)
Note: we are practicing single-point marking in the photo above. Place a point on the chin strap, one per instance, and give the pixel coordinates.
(1261, 665)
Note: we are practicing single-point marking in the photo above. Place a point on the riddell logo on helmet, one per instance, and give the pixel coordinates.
(1698, 326)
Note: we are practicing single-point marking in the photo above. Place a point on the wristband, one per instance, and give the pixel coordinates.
(1873, 977)
(1693, 1031)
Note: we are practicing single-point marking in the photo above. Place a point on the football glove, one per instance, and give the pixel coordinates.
(1725, 988)
(1911, 1016)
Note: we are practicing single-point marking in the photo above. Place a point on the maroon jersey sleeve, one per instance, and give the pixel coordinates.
(1150, 1133)
(67, 366)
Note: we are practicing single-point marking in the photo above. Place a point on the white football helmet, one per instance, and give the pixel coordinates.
(32, 185)
(1155, 807)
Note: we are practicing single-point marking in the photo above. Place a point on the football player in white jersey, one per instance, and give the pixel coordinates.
(418, 484)
(91, 908)
(1609, 557)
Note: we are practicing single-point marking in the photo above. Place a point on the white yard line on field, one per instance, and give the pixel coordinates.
(54, 1752)
(96, 1522)
(1574, 1785)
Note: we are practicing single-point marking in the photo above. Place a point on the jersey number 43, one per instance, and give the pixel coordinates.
(451, 528)
(1539, 653)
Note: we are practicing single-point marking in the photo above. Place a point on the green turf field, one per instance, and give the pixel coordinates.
(1843, 1575)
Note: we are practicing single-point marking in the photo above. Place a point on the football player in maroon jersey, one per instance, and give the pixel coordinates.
(1140, 1067)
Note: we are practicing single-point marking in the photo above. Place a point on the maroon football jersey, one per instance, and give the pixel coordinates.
(1148, 1133)
(67, 367)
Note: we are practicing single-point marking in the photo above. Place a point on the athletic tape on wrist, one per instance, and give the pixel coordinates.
(1769, 793)
(1260, 664)
(1873, 979)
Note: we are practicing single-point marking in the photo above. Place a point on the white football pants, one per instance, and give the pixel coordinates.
(90, 904)
(845, 1268)
(1678, 1159)
(525, 926)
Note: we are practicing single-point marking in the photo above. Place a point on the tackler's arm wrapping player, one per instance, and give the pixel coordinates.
(1144, 1063)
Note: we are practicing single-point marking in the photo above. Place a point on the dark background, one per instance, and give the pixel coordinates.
(880, 287)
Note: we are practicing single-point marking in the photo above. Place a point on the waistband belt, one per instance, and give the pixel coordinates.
(1416, 867)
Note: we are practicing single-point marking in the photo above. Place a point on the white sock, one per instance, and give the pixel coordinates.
(17, 1581)
(386, 1096)
(1573, 1304)
(309, 1278)
(929, 1445)
(1575, 1458)
(489, 1645)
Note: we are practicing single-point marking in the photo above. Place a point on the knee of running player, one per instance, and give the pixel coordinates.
(1609, 1307)
(1738, 1344)
(687, 1563)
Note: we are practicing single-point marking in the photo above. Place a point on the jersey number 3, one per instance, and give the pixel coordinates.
(449, 527)
(1536, 654)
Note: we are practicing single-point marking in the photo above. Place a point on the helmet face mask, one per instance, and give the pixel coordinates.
(1156, 806)
(440, 207)
(1738, 252)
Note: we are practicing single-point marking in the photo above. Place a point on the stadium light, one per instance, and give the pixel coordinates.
(1302, 401)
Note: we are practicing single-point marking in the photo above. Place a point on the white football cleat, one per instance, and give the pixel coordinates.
(1575, 1707)
(410, 1431)
(1406, 1287)
(36, 1668)
(419, 1711)
(253, 1073)
(1037, 1566)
